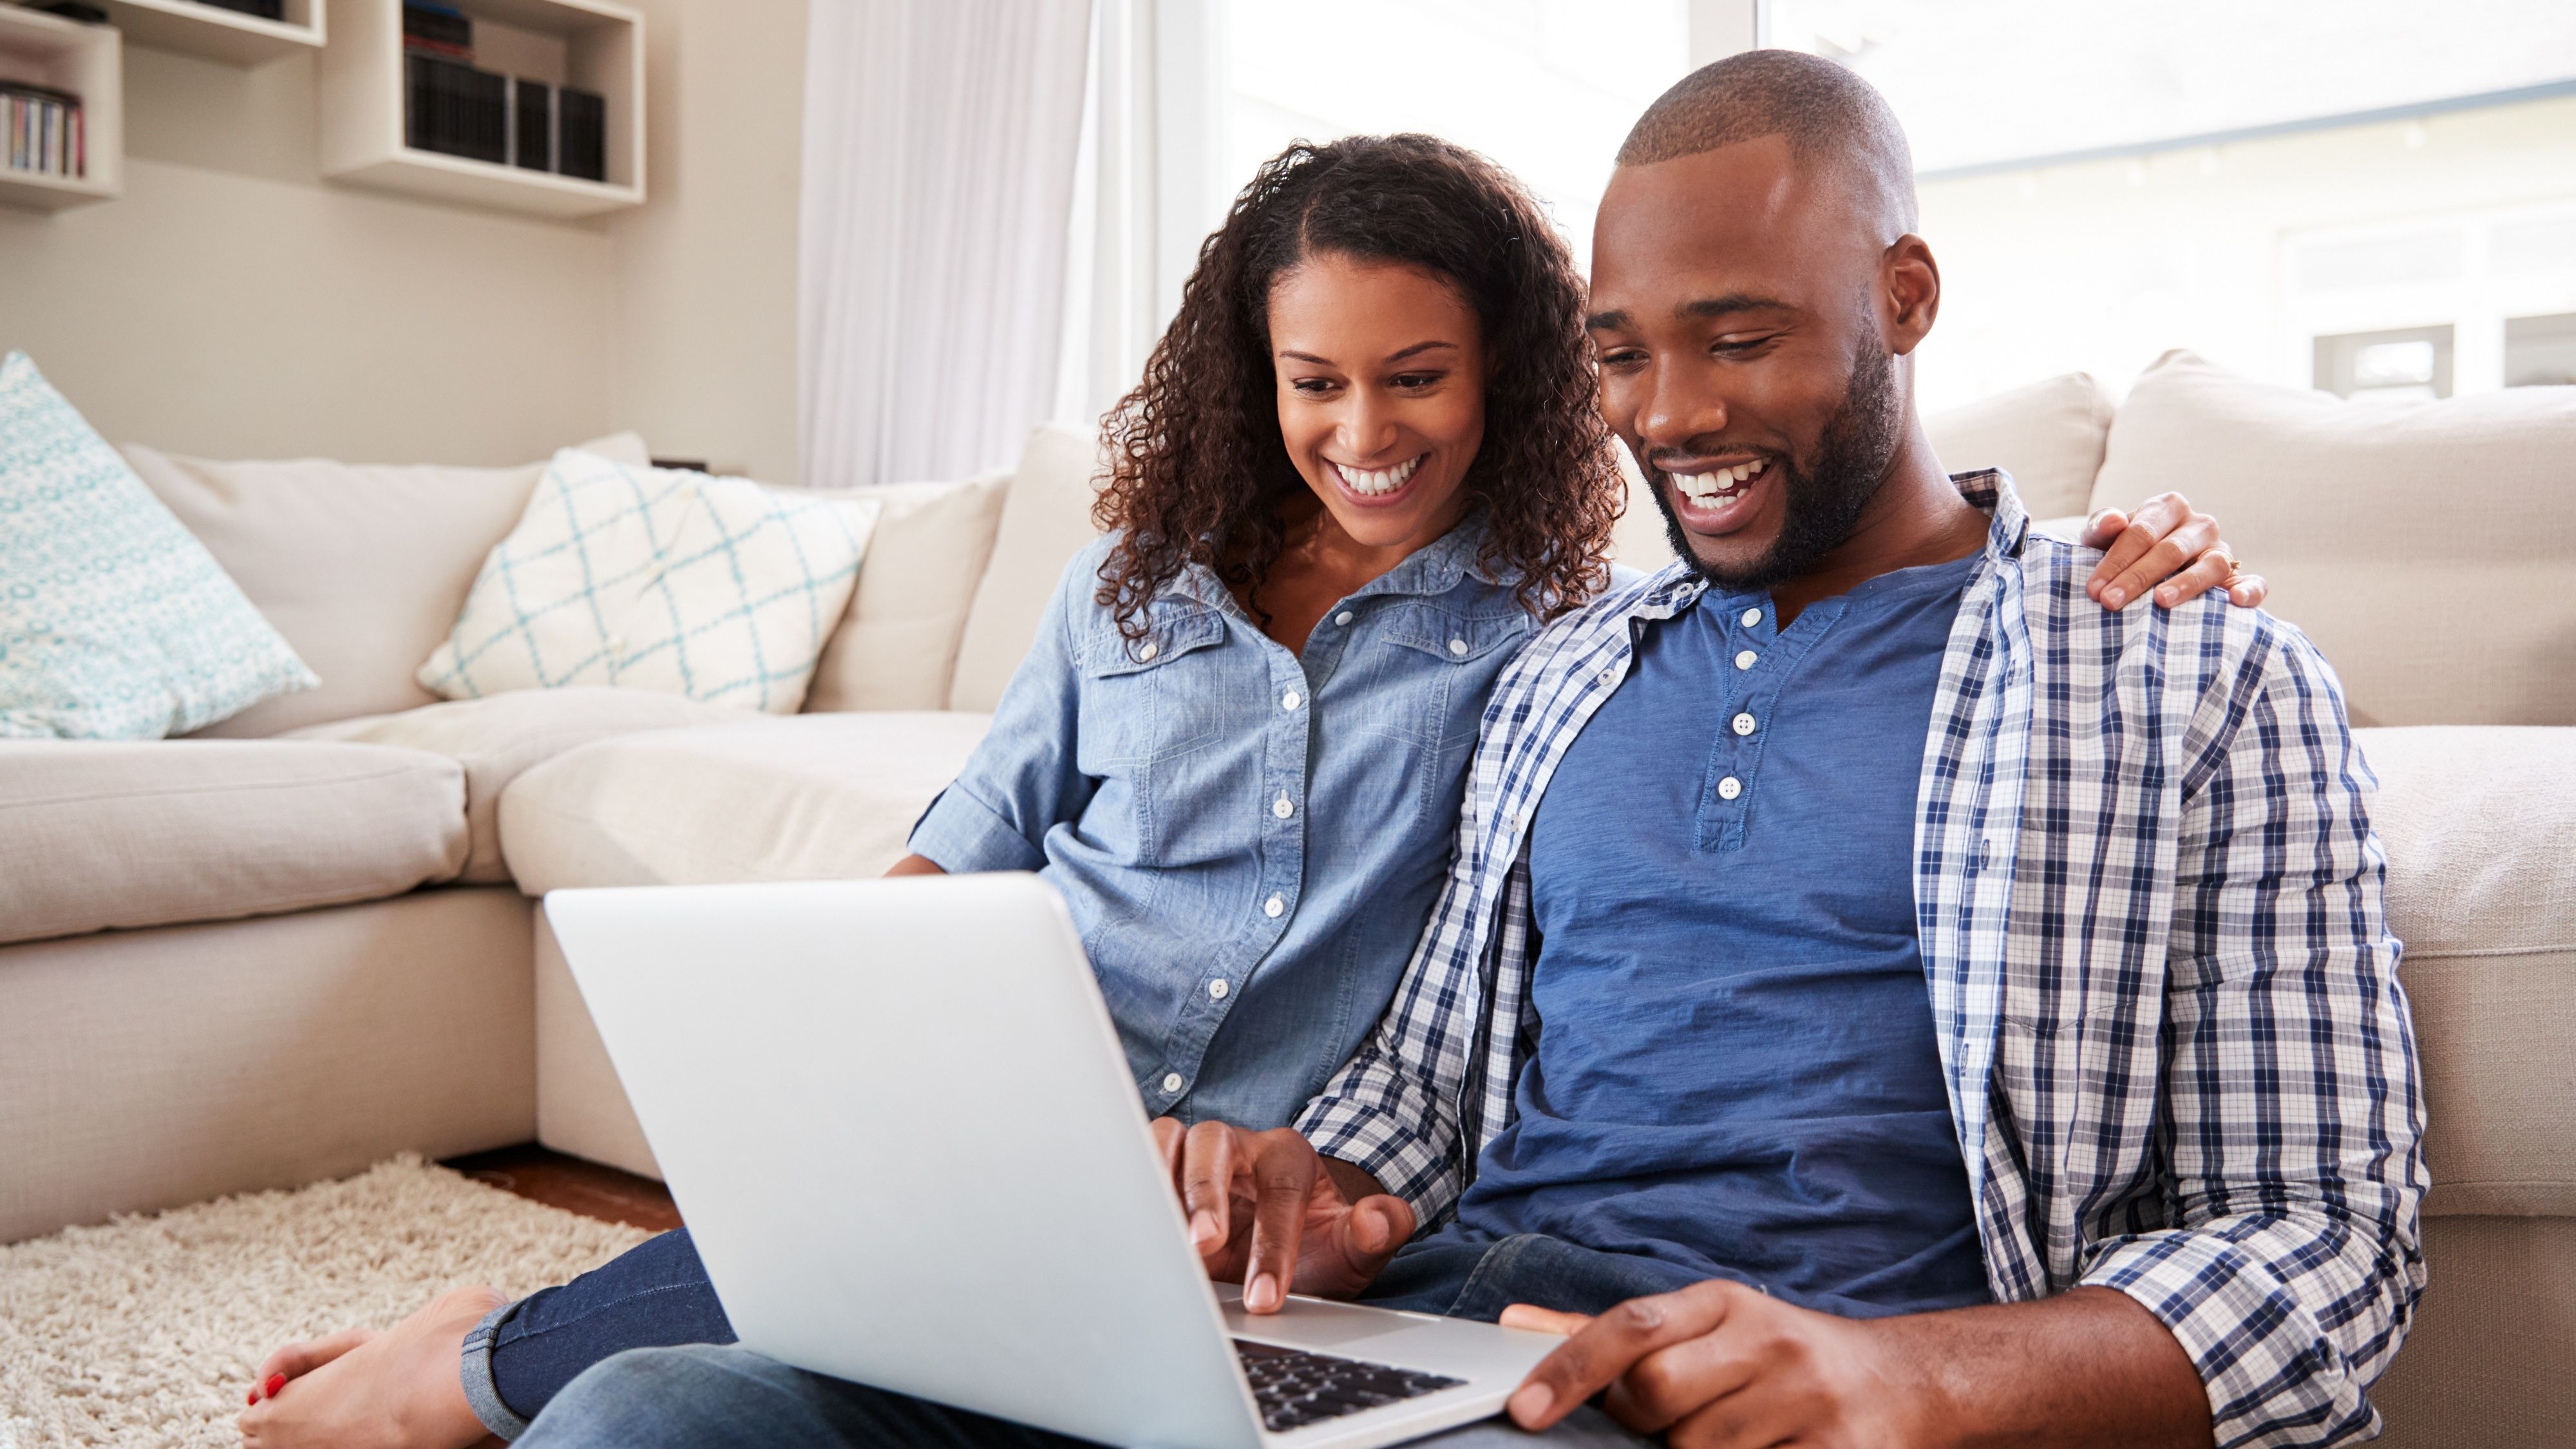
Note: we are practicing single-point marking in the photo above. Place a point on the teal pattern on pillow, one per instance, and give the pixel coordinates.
(115, 623)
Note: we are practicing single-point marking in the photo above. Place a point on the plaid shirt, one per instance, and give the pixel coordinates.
(2149, 899)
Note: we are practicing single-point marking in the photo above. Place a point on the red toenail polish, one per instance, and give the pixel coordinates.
(275, 1382)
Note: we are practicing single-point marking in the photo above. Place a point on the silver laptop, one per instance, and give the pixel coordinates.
(901, 1129)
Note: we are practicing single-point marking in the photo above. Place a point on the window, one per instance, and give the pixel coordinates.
(2308, 194)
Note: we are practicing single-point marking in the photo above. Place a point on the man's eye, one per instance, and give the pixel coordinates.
(1737, 346)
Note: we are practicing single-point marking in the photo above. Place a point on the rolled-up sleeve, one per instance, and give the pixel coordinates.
(1024, 778)
(2293, 1264)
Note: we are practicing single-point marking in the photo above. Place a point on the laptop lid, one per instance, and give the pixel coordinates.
(808, 1058)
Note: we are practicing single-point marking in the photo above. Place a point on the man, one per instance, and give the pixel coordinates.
(2071, 1102)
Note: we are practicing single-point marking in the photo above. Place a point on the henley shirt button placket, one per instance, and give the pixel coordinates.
(1744, 724)
(1745, 658)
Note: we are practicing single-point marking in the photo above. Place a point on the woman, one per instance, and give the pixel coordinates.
(1364, 462)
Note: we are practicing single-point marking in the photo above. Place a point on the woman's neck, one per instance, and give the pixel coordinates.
(1320, 564)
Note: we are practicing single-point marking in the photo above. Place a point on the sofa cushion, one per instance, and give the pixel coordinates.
(2478, 825)
(816, 797)
(2049, 436)
(96, 835)
(115, 624)
(2428, 548)
(1046, 520)
(897, 646)
(499, 738)
(361, 568)
(658, 578)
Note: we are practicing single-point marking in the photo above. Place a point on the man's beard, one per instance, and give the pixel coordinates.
(1823, 502)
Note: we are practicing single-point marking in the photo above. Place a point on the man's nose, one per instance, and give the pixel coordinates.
(1677, 407)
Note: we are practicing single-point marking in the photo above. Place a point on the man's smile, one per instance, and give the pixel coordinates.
(1716, 496)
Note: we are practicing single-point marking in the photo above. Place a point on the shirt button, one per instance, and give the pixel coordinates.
(1146, 652)
(1281, 808)
(1752, 617)
(1172, 1083)
(1744, 724)
(1288, 700)
(1458, 646)
(1216, 990)
(1729, 788)
(616, 643)
(1343, 618)
(1745, 659)
(1609, 676)
(1272, 908)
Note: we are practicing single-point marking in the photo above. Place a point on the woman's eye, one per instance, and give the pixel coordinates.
(1416, 380)
(1312, 386)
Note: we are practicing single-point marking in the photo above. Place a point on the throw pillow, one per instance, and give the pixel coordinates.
(115, 623)
(649, 578)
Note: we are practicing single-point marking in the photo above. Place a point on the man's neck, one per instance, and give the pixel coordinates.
(1916, 517)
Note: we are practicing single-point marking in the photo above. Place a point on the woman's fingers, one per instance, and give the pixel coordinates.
(2209, 571)
(2160, 560)
(2249, 590)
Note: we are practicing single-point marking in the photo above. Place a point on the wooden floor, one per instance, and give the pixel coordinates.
(569, 1183)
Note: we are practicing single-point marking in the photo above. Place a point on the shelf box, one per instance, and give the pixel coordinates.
(89, 62)
(598, 46)
(219, 34)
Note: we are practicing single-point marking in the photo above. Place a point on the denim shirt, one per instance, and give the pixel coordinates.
(1249, 839)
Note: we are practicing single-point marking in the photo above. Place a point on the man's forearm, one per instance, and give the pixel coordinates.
(2086, 1367)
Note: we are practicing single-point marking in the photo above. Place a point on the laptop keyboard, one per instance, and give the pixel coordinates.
(1295, 1388)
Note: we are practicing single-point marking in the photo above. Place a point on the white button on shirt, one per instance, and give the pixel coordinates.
(1343, 618)
(1729, 788)
(1458, 646)
(1281, 808)
(1274, 907)
(1288, 700)
(1744, 724)
(1172, 1083)
(1216, 990)
(1752, 617)
(1745, 659)
(1145, 653)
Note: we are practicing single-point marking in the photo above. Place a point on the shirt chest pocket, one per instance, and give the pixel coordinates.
(1428, 670)
(1154, 697)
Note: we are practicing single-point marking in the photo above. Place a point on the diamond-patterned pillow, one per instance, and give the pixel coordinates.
(115, 623)
(715, 588)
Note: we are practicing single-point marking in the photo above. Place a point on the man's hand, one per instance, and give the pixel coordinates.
(1266, 1212)
(1720, 1364)
(2166, 546)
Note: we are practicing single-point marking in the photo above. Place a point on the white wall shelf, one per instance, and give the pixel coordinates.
(219, 34)
(590, 44)
(89, 62)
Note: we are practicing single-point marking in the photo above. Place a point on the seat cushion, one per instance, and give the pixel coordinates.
(2480, 830)
(499, 738)
(361, 568)
(95, 834)
(1046, 520)
(816, 797)
(2429, 548)
(897, 647)
(2049, 436)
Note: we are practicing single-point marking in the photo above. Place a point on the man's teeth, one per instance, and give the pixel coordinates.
(1369, 483)
(1717, 483)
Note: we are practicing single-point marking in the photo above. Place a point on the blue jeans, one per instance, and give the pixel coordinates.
(549, 1357)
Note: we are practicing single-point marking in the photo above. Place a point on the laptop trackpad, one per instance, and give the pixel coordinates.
(1313, 1322)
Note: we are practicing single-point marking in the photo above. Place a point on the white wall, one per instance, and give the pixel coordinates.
(232, 304)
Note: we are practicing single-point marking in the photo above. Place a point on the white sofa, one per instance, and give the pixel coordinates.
(306, 939)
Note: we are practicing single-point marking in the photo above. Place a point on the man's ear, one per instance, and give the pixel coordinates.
(1913, 289)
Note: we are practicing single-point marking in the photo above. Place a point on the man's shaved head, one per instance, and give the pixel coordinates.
(1832, 119)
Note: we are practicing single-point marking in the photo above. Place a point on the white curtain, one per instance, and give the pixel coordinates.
(940, 149)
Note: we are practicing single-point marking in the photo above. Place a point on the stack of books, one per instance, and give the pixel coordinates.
(455, 109)
(45, 131)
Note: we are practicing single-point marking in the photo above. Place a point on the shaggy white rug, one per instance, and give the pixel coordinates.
(142, 1333)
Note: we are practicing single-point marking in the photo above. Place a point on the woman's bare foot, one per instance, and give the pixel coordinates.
(361, 1389)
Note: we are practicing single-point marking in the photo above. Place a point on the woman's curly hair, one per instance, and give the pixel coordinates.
(1197, 465)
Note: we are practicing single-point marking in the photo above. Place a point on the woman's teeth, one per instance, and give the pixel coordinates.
(1370, 483)
(1718, 485)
